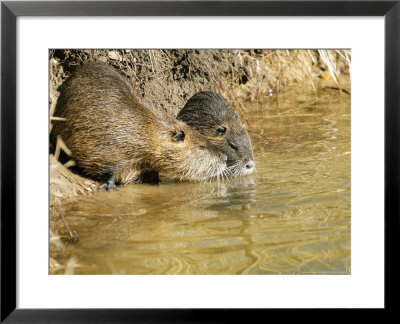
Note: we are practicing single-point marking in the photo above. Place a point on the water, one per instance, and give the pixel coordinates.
(291, 217)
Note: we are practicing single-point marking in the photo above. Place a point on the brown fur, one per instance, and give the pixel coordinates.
(211, 115)
(114, 137)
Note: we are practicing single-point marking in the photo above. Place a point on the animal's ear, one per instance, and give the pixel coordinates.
(221, 130)
(178, 136)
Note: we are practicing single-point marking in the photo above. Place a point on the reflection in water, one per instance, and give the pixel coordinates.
(291, 216)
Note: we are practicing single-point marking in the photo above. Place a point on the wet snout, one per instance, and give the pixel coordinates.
(249, 167)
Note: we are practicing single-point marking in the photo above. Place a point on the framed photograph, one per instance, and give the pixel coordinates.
(189, 160)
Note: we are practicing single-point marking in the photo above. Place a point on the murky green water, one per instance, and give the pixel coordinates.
(291, 217)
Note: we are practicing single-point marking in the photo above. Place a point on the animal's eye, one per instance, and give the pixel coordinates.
(179, 136)
(233, 146)
(221, 130)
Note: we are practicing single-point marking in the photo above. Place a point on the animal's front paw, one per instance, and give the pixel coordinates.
(110, 184)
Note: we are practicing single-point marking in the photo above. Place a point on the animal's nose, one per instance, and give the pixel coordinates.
(250, 165)
(224, 158)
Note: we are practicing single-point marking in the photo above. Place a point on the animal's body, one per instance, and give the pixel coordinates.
(116, 139)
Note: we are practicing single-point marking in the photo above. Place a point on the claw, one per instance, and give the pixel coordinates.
(110, 184)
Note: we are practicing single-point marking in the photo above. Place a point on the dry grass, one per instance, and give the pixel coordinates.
(273, 70)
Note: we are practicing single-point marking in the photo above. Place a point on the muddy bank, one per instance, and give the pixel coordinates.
(168, 78)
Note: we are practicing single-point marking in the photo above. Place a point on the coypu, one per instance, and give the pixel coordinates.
(211, 115)
(114, 138)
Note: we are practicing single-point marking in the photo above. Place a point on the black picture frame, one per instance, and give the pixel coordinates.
(10, 10)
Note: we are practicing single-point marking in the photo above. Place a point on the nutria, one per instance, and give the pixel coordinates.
(116, 139)
(211, 115)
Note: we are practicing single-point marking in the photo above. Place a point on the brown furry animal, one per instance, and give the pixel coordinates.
(116, 139)
(211, 115)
